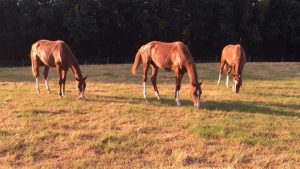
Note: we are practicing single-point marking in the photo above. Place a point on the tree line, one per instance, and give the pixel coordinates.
(102, 31)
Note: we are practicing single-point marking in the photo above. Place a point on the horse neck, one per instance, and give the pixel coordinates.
(192, 73)
(76, 70)
(239, 66)
(240, 61)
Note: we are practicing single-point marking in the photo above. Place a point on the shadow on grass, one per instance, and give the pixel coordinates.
(141, 100)
(250, 107)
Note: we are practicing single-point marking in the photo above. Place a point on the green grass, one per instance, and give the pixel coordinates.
(116, 128)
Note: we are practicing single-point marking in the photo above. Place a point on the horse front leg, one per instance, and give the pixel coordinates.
(146, 67)
(227, 77)
(64, 78)
(178, 85)
(59, 74)
(46, 71)
(153, 80)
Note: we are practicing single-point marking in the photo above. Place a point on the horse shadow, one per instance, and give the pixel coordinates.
(252, 107)
(139, 100)
(226, 106)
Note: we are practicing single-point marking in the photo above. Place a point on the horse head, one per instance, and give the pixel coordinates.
(237, 83)
(196, 93)
(81, 87)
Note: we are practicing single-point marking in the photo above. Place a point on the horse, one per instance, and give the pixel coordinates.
(56, 54)
(174, 57)
(233, 57)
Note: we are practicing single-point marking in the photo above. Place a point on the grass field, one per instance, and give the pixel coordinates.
(116, 128)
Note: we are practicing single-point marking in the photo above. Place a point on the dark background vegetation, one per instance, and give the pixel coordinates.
(101, 31)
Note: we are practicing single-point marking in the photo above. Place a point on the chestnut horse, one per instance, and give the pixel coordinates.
(172, 57)
(56, 54)
(233, 57)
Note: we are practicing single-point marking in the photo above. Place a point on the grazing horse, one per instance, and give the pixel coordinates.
(56, 54)
(172, 57)
(233, 57)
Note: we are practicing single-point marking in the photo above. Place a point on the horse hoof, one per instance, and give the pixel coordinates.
(48, 91)
(37, 92)
(158, 98)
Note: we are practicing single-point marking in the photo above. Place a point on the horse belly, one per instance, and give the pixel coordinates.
(48, 62)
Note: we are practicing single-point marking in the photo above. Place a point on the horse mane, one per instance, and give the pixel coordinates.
(190, 65)
(68, 56)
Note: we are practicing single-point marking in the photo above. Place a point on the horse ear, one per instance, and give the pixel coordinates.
(85, 78)
(201, 83)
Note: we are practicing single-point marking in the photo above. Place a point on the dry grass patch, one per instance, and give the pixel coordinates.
(116, 128)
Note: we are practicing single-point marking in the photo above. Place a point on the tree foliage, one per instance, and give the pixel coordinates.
(106, 30)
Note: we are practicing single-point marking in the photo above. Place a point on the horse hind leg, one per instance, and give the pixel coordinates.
(46, 71)
(146, 67)
(35, 71)
(153, 80)
(221, 72)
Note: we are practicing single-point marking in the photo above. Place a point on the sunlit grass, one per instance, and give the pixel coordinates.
(116, 128)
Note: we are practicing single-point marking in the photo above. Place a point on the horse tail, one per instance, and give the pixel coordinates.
(136, 63)
(34, 60)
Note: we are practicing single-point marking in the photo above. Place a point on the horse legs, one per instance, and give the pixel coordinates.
(64, 77)
(227, 77)
(146, 67)
(179, 76)
(35, 71)
(221, 71)
(153, 80)
(59, 74)
(46, 71)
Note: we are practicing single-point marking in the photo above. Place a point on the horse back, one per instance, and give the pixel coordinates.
(52, 53)
(233, 54)
(169, 55)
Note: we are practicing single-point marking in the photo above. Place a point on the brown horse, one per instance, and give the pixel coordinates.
(172, 57)
(233, 57)
(56, 54)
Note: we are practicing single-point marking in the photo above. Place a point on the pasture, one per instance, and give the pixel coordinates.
(115, 127)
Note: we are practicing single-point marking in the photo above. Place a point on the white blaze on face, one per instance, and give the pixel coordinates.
(198, 95)
(82, 93)
(235, 85)
(145, 90)
(227, 81)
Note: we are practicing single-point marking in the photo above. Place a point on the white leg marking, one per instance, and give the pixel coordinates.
(234, 85)
(157, 95)
(219, 80)
(227, 81)
(145, 90)
(178, 98)
(47, 86)
(63, 90)
(37, 85)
